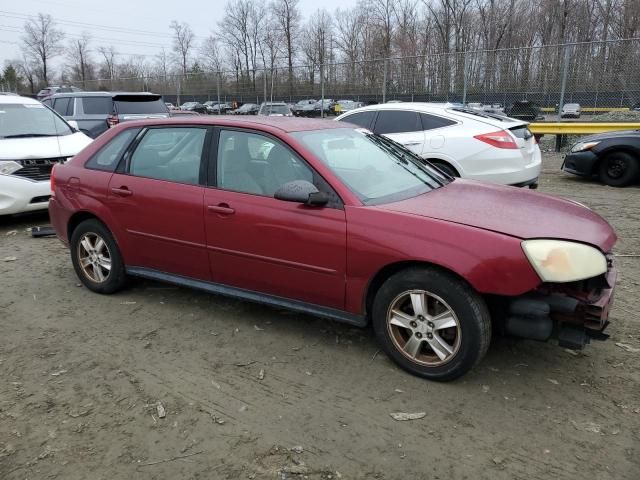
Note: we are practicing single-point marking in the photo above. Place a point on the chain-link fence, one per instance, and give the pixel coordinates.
(598, 75)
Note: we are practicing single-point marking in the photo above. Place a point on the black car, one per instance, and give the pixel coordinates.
(524, 110)
(194, 107)
(613, 156)
(246, 109)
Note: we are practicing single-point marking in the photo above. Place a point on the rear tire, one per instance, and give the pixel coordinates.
(96, 258)
(619, 169)
(431, 323)
(446, 168)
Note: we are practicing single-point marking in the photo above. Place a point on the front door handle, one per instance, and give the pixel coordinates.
(122, 191)
(221, 208)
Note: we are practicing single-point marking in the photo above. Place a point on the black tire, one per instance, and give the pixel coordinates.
(473, 330)
(619, 169)
(115, 278)
(446, 168)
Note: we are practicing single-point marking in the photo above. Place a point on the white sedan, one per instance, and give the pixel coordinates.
(461, 141)
(33, 139)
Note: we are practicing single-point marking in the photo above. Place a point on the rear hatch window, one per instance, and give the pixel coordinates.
(522, 131)
(139, 104)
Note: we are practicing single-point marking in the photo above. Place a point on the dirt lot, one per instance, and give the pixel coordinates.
(81, 376)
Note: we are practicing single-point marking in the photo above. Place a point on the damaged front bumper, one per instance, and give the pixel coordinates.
(574, 313)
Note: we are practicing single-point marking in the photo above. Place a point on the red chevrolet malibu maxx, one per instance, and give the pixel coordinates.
(332, 220)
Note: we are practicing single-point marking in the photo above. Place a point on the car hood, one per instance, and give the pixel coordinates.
(42, 147)
(512, 211)
(607, 135)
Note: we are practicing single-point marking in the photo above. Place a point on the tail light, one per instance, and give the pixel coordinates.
(499, 139)
(112, 120)
(52, 180)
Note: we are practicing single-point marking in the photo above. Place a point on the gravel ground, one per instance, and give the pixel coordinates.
(253, 392)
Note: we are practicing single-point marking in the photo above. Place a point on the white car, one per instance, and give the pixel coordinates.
(463, 142)
(33, 139)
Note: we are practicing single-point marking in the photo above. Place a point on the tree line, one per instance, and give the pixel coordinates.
(426, 40)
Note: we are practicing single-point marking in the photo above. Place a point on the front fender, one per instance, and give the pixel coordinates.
(491, 262)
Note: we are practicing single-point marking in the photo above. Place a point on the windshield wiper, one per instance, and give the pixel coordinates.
(27, 135)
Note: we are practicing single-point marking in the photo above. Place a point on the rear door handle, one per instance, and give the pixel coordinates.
(222, 209)
(122, 191)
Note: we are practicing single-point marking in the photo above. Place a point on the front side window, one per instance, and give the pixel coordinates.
(30, 120)
(173, 154)
(108, 157)
(256, 164)
(61, 105)
(397, 121)
(376, 169)
(362, 119)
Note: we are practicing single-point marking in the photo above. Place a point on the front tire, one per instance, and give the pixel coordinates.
(619, 169)
(431, 323)
(96, 258)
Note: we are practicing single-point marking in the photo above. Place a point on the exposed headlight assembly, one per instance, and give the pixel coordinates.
(561, 261)
(9, 167)
(582, 146)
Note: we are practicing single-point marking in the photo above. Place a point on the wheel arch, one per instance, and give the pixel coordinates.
(391, 269)
(436, 160)
(617, 148)
(78, 217)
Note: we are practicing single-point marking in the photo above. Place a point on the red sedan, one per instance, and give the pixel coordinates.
(332, 220)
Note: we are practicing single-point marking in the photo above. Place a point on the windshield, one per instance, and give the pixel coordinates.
(376, 169)
(30, 120)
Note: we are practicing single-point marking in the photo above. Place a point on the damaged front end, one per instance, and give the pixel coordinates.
(573, 313)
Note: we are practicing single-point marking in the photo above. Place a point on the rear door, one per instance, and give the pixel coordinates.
(157, 194)
(402, 126)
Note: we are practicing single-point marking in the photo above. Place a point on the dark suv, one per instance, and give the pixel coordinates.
(96, 112)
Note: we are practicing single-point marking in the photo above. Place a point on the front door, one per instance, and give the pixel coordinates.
(266, 245)
(159, 200)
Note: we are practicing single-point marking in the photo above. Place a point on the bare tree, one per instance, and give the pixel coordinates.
(42, 42)
(108, 63)
(210, 54)
(78, 53)
(288, 17)
(183, 43)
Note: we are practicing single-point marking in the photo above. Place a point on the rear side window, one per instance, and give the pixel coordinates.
(429, 122)
(64, 106)
(96, 105)
(140, 105)
(108, 157)
(362, 119)
(172, 154)
(396, 121)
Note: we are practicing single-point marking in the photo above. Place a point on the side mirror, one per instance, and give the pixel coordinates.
(74, 125)
(301, 191)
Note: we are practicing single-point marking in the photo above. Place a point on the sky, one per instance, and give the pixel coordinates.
(138, 27)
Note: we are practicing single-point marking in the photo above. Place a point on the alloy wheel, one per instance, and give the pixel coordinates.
(94, 257)
(423, 327)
